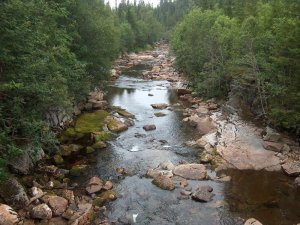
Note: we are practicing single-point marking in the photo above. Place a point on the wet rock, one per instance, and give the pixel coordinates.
(41, 211)
(273, 146)
(164, 182)
(91, 122)
(168, 165)
(8, 216)
(21, 164)
(183, 183)
(160, 114)
(95, 184)
(102, 136)
(203, 194)
(153, 173)
(183, 91)
(186, 193)
(13, 193)
(191, 171)
(271, 135)
(150, 94)
(159, 106)
(291, 168)
(104, 197)
(124, 113)
(149, 127)
(116, 125)
(99, 145)
(58, 159)
(58, 205)
(78, 169)
(252, 221)
(83, 215)
(108, 185)
(89, 150)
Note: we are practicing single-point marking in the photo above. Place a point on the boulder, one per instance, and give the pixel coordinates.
(13, 193)
(252, 221)
(159, 106)
(21, 164)
(203, 124)
(153, 173)
(191, 171)
(41, 211)
(164, 182)
(8, 216)
(271, 135)
(69, 195)
(116, 125)
(273, 146)
(160, 114)
(58, 205)
(291, 168)
(149, 127)
(203, 194)
(95, 184)
(104, 197)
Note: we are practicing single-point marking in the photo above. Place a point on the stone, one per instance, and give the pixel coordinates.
(57, 221)
(8, 216)
(271, 135)
(108, 185)
(149, 127)
(68, 213)
(21, 164)
(99, 145)
(84, 214)
(183, 91)
(297, 181)
(273, 146)
(91, 122)
(58, 159)
(65, 150)
(160, 114)
(203, 194)
(204, 125)
(41, 211)
(95, 184)
(104, 197)
(99, 105)
(186, 193)
(69, 195)
(124, 113)
(159, 106)
(35, 191)
(58, 205)
(78, 169)
(116, 125)
(89, 150)
(252, 221)
(164, 182)
(191, 171)
(13, 193)
(291, 168)
(153, 173)
(223, 179)
(183, 183)
(168, 165)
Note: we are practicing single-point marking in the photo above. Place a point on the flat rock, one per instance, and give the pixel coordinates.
(58, 205)
(149, 127)
(252, 221)
(203, 194)
(159, 106)
(204, 124)
(41, 211)
(8, 216)
(95, 184)
(291, 168)
(164, 182)
(191, 171)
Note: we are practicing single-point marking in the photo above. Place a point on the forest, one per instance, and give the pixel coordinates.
(53, 53)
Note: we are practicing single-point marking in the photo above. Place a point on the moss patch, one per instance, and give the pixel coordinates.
(91, 122)
(102, 136)
(160, 114)
(70, 134)
(104, 197)
(99, 145)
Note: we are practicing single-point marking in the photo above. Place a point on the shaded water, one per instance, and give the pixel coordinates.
(268, 197)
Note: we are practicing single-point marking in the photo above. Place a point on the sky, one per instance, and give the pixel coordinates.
(154, 2)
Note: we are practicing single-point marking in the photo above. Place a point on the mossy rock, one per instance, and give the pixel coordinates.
(91, 122)
(65, 150)
(70, 134)
(58, 159)
(89, 150)
(123, 112)
(102, 136)
(115, 125)
(75, 148)
(160, 114)
(99, 145)
(104, 197)
(77, 170)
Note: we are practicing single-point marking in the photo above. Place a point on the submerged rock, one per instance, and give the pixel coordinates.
(191, 171)
(95, 184)
(159, 106)
(8, 216)
(104, 197)
(160, 114)
(203, 194)
(41, 211)
(149, 127)
(164, 182)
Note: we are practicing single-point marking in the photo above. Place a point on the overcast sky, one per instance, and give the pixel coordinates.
(154, 2)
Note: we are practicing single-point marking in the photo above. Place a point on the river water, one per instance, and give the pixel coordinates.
(268, 197)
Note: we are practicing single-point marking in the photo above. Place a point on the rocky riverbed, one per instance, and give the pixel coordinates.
(147, 151)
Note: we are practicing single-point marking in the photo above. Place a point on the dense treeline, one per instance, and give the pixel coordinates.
(250, 47)
(52, 53)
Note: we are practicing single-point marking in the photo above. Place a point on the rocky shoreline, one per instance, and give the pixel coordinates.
(50, 194)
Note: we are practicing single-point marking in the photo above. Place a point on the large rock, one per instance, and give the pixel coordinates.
(95, 184)
(203, 194)
(204, 124)
(159, 106)
(8, 216)
(271, 135)
(164, 182)
(291, 168)
(58, 205)
(191, 171)
(149, 127)
(21, 164)
(13, 193)
(116, 125)
(41, 211)
(252, 221)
